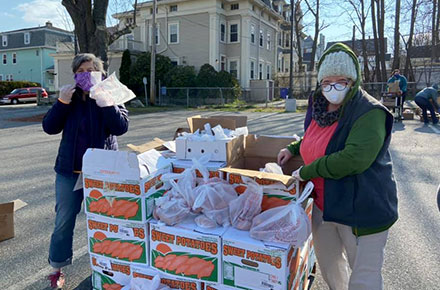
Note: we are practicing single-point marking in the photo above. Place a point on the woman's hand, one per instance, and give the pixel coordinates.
(283, 156)
(66, 93)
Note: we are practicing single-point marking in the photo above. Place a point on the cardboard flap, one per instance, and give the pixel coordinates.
(265, 146)
(284, 179)
(227, 122)
(151, 161)
(7, 207)
(115, 164)
(155, 144)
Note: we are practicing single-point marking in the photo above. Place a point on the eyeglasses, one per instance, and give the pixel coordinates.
(339, 86)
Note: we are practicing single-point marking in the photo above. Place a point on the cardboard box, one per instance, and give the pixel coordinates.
(212, 286)
(259, 151)
(106, 272)
(123, 185)
(253, 264)
(171, 281)
(6, 221)
(203, 246)
(220, 150)
(118, 240)
(213, 167)
(408, 115)
(394, 87)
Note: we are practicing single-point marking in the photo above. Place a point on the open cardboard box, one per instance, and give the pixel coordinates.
(6, 221)
(220, 150)
(260, 150)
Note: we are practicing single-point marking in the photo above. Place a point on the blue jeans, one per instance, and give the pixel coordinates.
(67, 207)
(426, 105)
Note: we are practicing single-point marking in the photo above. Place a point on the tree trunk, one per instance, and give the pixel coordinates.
(316, 36)
(396, 53)
(376, 41)
(91, 30)
(381, 26)
(364, 43)
(297, 19)
(410, 38)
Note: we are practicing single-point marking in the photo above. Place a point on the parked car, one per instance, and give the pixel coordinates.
(23, 95)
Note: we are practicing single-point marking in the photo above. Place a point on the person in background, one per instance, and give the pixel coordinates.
(346, 156)
(84, 123)
(403, 86)
(426, 99)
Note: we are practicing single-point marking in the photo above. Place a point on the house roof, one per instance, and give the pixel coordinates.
(358, 45)
(48, 25)
(422, 51)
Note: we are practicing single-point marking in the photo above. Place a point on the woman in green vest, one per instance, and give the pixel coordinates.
(345, 151)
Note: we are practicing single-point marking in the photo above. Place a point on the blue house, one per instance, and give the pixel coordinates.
(25, 54)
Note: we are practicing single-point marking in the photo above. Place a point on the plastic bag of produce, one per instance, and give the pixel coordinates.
(289, 223)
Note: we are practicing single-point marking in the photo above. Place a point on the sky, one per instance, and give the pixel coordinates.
(18, 14)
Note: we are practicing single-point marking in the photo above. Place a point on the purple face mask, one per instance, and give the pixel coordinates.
(83, 80)
(86, 80)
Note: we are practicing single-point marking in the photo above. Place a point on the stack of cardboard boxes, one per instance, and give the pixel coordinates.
(125, 245)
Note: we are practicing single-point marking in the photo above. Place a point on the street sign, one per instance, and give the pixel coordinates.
(144, 80)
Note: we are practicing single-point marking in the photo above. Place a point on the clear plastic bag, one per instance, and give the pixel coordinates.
(144, 284)
(213, 196)
(289, 223)
(171, 209)
(247, 205)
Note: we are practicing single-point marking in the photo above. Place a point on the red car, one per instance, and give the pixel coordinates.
(23, 95)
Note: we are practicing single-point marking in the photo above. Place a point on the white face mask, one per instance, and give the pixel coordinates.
(336, 97)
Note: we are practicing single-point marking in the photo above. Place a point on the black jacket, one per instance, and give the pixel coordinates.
(105, 124)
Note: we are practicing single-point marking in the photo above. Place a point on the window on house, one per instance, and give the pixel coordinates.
(268, 71)
(151, 10)
(233, 36)
(233, 68)
(287, 42)
(252, 33)
(173, 8)
(14, 58)
(9, 78)
(5, 59)
(1, 77)
(37, 52)
(157, 35)
(174, 32)
(223, 5)
(222, 62)
(252, 70)
(174, 61)
(234, 6)
(268, 41)
(253, 7)
(222, 32)
(260, 71)
(27, 38)
(279, 40)
(261, 38)
(4, 40)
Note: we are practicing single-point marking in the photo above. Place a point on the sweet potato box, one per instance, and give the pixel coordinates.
(108, 274)
(119, 240)
(259, 150)
(122, 185)
(186, 250)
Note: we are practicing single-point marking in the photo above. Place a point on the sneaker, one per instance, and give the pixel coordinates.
(56, 279)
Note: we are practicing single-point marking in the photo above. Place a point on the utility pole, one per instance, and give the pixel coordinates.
(153, 57)
(291, 51)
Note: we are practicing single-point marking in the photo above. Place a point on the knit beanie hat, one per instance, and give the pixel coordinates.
(338, 63)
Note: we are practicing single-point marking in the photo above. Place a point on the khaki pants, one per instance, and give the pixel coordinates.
(335, 244)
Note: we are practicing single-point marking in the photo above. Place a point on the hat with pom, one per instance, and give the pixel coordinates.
(338, 63)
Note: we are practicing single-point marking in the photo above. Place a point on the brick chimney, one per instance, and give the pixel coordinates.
(49, 24)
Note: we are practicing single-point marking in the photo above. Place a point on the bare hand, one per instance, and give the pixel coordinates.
(66, 93)
(283, 156)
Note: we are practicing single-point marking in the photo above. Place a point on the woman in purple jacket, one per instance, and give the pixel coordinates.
(84, 123)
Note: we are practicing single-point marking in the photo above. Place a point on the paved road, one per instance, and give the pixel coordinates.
(27, 157)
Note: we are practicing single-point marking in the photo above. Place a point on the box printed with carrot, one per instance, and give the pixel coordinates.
(109, 274)
(253, 264)
(123, 241)
(275, 193)
(171, 281)
(123, 185)
(186, 250)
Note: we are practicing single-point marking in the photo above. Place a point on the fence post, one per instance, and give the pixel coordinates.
(221, 96)
(187, 97)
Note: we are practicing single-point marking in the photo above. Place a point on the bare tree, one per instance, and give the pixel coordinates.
(318, 28)
(381, 34)
(89, 18)
(358, 7)
(376, 41)
(410, 40)
(297, 25)
(396, 53)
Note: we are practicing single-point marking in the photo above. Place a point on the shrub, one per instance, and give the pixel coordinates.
(124, 69)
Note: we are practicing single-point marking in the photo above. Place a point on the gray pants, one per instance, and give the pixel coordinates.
(338, 252)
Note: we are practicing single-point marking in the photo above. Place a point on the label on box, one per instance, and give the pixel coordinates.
(109, 274)
(123, 241)
(188, 252)
(170, 281)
